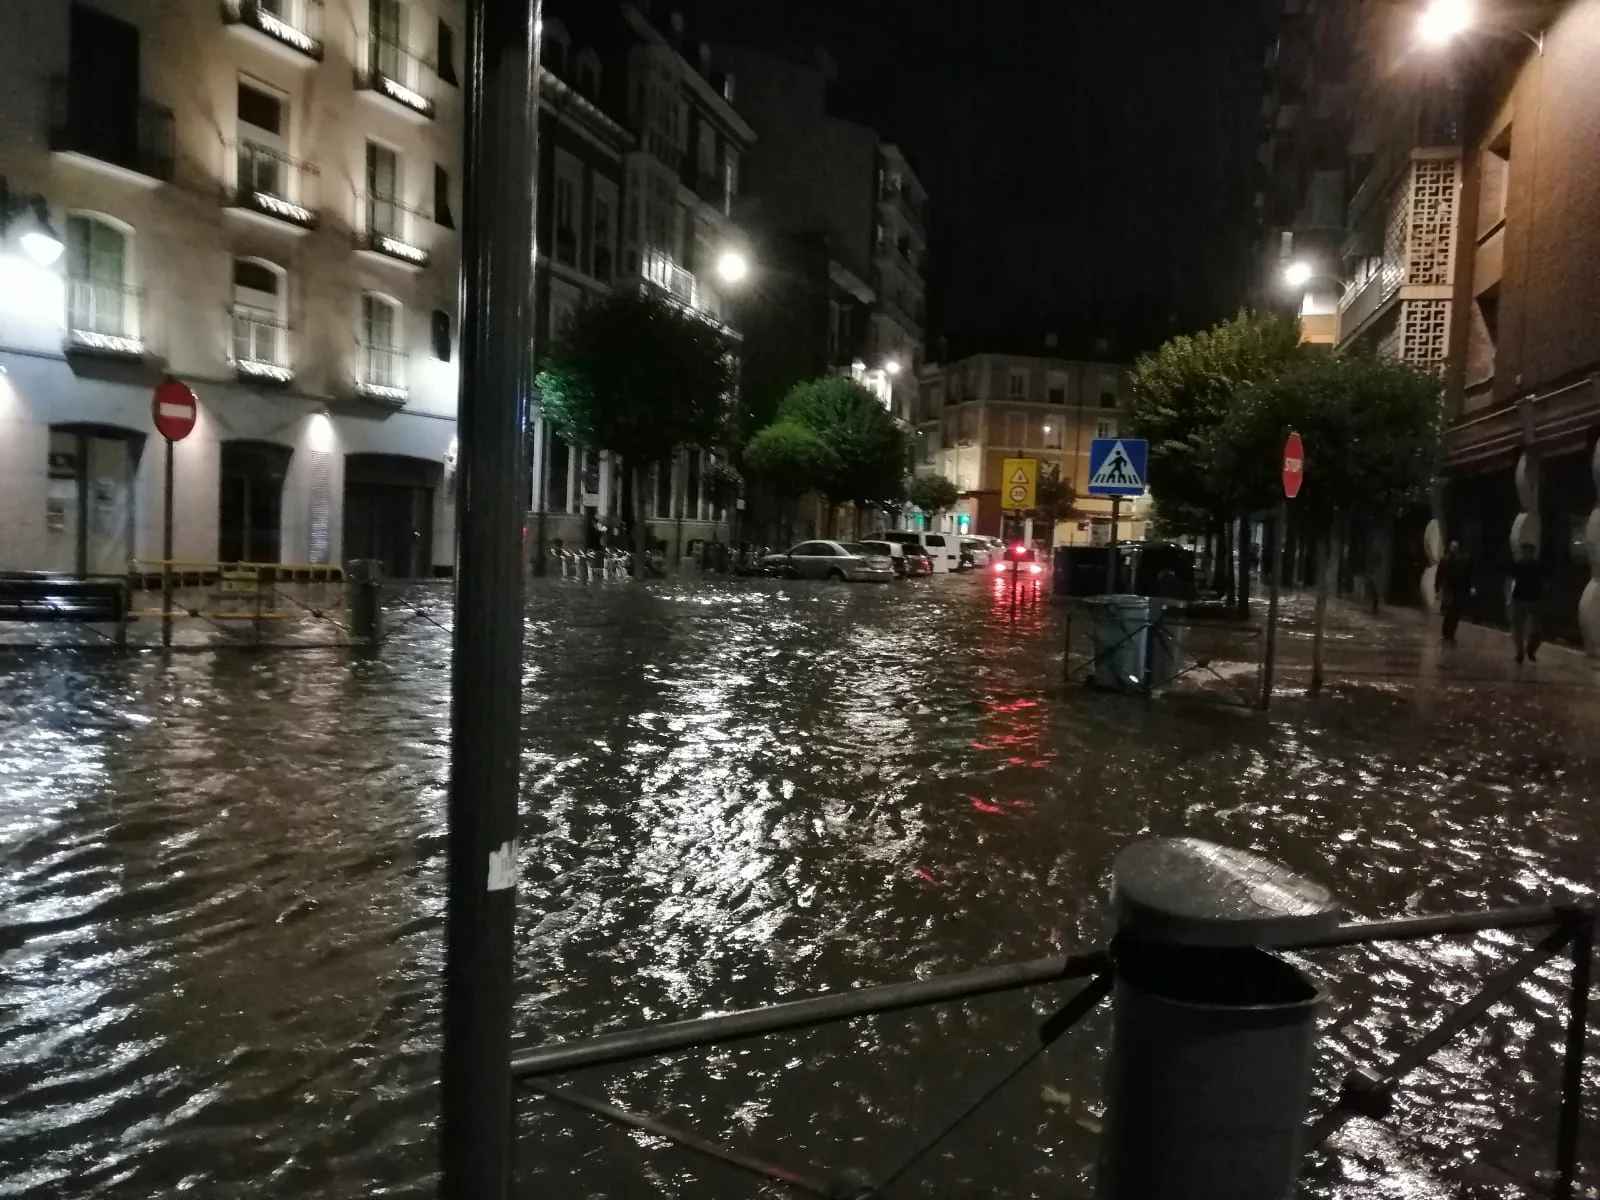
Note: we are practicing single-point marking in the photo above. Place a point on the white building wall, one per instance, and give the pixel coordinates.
(184, 243)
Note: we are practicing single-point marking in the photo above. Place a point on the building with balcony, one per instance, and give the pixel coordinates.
(640, 170)
(236, 211)
(975, 411)
(1469, 247)
(821, 179)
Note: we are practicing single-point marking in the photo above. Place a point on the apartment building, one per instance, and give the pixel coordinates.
(974, 412)
(641, 168)
(257, 197)
(1468, 245)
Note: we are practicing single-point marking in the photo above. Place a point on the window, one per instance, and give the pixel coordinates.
(100, 302)
(90, 501)
(1105, 428)
(588, 72)
(259, 333)
(263, 138)
(447, 53)
(1017, 385)
(1052, 435)
(384, 214)
(439, 334)
(441, 198)
(553, 52)
(566, 235)
(261, 109)
(1108, 399)
(388, 24)
(1057, 395)
(382, 359)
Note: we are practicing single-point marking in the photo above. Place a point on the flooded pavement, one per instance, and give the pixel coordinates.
(221, 903)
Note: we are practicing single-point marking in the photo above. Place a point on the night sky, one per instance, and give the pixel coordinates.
(1088, 161)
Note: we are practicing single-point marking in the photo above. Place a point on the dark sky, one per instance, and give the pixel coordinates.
(1088, 161)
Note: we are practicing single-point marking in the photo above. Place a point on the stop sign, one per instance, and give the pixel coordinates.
(1294, 466)
(174, 407)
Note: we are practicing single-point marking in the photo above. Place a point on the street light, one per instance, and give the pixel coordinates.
(732, 267)
(1298, 274)
(39, 239)
(892, 366)
(1444, 20)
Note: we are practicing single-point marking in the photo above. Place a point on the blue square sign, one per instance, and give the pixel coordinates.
(1117, 466)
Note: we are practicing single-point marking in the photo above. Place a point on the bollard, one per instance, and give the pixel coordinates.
(364, 579)
(1209, 1076)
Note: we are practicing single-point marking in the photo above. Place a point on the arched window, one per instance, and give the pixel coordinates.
(556, 47)
(588, 74)
(383, 353)
(260, 326)
(102, 306)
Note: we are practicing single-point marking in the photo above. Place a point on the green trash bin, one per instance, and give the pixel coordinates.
(1119, 633)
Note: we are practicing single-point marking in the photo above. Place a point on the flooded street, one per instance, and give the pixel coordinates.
(222, 896)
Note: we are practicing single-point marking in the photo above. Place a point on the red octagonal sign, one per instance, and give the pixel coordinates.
(1294, 466)
(174, 408)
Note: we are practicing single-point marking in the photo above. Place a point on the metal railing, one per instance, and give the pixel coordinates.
(1366, 1091)
(138, 137)
(395, 72)
(103, 316)
(676, 281)
(260, 347)
(392, 228)
(295, 23)
(269, 181)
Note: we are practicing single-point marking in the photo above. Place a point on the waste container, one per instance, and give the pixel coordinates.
(1164, 656)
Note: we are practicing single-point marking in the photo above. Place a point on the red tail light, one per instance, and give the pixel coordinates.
(1036, 568)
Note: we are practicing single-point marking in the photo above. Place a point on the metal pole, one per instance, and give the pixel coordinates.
(475, 1144)
(166, 551)
(1280, 525)
(1111, 552)
(1572, 1066)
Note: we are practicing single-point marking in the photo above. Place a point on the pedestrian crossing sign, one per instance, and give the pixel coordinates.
(1117, 466)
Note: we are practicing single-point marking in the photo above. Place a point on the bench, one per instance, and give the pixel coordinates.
(42, 596)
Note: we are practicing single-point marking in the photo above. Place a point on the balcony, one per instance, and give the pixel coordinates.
(271, 187)
(382, 374)
(396, 75)
(391, 231)
(292, 29)
(103, 318)
(260, 351)
(132, 142)
(664, 273)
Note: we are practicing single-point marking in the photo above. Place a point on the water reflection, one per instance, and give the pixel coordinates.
(221, 941)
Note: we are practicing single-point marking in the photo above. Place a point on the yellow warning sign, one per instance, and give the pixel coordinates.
(1019, 479)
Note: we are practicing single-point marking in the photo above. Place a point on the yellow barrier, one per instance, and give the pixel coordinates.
(241, 591)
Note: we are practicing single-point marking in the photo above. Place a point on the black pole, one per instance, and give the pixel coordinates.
(475, 1132)
(1280, 528)
(166, 549)
(1571, 1122)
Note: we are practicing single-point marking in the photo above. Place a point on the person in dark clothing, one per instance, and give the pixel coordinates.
(1527, 602)
(1452, 581)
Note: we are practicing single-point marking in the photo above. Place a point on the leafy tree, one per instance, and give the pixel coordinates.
(790, 458)
(1053, 495)
(932, 493)
(638, 376)
(868, 448)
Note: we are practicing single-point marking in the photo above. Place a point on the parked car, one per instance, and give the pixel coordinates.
(941, 547)
(918, 562)
(979, 549)
(830, 560)
(900, 555)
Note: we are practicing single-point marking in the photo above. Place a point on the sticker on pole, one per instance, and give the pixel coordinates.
(1019, 482)
(1294, 465)
(1117, 466)
(174, 408)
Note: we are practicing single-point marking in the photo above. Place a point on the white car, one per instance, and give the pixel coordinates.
(979, 551)
(943, 548)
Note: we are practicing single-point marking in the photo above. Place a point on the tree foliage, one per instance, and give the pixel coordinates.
(866, 449)
(1183, 393)
(790, 458)
(636, 375)
(1053, 494)
(932, 493)
(1373, 430)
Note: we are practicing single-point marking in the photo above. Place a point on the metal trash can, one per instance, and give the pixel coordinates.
(1164, 656)
(1209, 1075)
(1119, 634)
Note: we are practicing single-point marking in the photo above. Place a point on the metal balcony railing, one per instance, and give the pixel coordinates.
(395, 72)
(393, 229)
(135, 137)
(1367, 1091)
(293, 23)
(680, 284)
(103, 317)
(261, 347)
(269, 182)
(383, 372)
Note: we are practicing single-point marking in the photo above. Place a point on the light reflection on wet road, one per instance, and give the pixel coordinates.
(221, 904)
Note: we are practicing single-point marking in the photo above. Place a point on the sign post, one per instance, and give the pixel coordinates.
(173, 408)
(1294, 473)
(1117, 468)
(1019, 486)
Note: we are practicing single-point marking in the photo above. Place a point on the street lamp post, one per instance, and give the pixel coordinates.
(39, 240)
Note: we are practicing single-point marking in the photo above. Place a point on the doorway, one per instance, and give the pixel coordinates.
(388, 512)
(250, 502)
(89, 504)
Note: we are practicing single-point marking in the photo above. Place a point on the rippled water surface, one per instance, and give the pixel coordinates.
(222, 889)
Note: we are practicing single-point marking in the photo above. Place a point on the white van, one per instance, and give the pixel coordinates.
(943, 548)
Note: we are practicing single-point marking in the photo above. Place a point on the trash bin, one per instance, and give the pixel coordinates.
(1119, 631)
(1164, 658)
(1209, 1073)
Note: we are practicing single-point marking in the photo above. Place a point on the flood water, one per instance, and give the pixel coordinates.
(222, 876)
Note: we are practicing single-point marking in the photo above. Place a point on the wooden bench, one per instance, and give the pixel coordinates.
(41, 596)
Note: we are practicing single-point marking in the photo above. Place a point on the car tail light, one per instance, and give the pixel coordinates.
(1036, 568)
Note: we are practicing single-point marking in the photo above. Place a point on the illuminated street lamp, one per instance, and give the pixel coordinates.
(1444, 21)
(38, 239)
(1298, 274)
(732, 267)
(892, 366)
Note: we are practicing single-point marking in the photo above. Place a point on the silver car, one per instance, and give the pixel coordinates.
(830, 560)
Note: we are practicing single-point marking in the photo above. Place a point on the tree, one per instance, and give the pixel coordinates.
(790, 459)
(932, 493)
(1053, 495)
(642, 378)
(867, 450)
(1182, 394)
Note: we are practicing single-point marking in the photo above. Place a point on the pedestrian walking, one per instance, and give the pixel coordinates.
(1526, 602)
(1452, 583)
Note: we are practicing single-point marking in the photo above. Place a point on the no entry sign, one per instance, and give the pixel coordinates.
(1294, 466)
(174, 407)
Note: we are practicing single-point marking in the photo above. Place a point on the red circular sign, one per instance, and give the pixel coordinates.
(1294, 466)
(174, 408)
